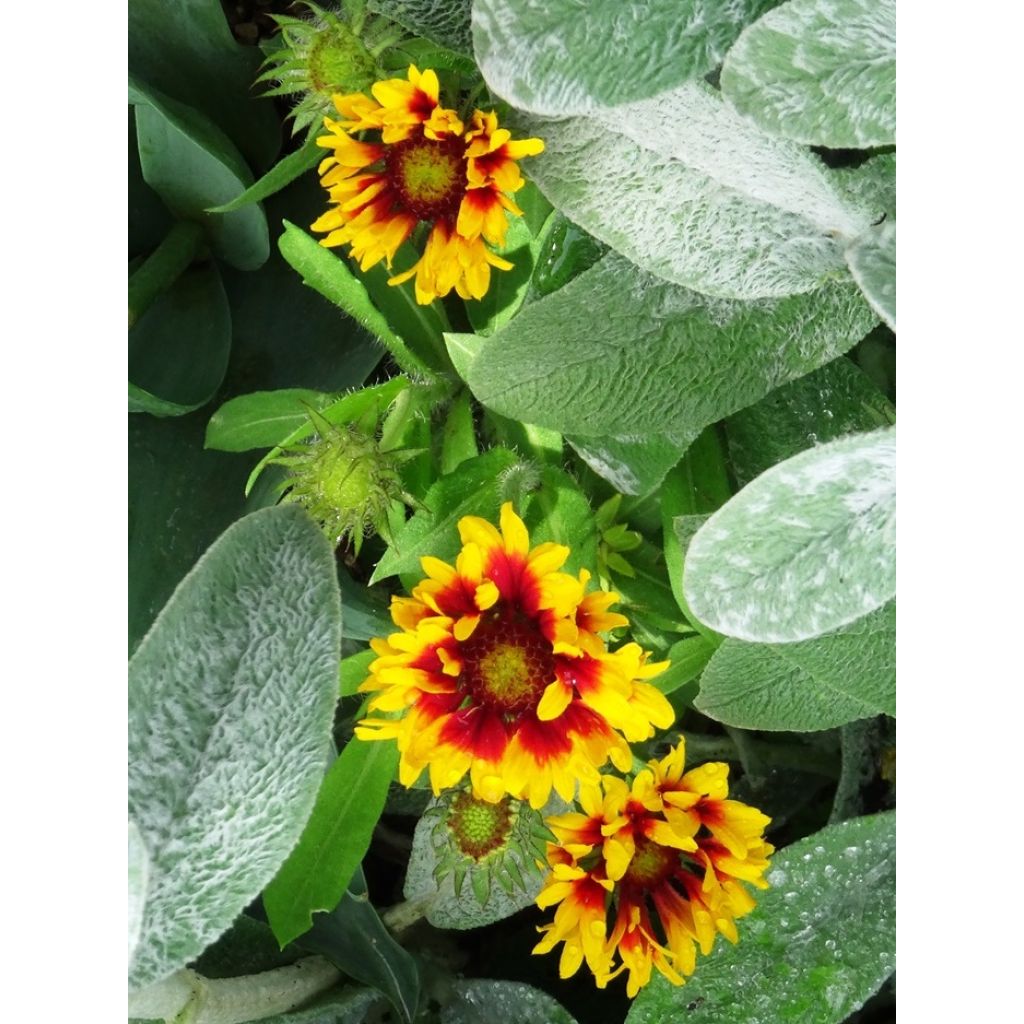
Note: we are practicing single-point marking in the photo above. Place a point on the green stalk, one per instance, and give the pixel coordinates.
(189, 998)
(163, 267)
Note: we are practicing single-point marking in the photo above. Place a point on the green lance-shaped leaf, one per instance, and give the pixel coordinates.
(356, 941)
(617, 351)
(335, 839)
(805, 686)
(821, 941)
(474, 488)
(178, 351)
(262, 419)
(445, 22)
(820, 72)
(693, 192)
(804, 549)
(192, 165)
(283, 173)
(329, 275)
(872, 260)
(556, 57)
(230, 705)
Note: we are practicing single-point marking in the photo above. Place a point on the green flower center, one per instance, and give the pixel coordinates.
(429, 176)
(507, 664)
(479, 828)
(651, 863)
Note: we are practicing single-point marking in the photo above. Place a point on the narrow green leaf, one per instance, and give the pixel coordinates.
(872, 260)
(262, 419)
(805, 686)
(193, 166)
(688, 658)
(355, 940)
(335, 839)
(820, 72)
(552, 58)
(651, 357)
(327, 274)
(804, 549)
(354, 670)
(283, 173)
(178, 351)
(821, 941)
(458, 436)
(230, 705)
(698, 195)
(473, 489)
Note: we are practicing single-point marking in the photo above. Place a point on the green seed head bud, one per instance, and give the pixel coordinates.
(483, 844)
(328, 52)
(344, 481)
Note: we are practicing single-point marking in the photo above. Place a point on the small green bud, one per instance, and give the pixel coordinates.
(344, 481)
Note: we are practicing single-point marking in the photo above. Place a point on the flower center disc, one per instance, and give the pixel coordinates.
(508, 664)
(651, 863)
(429, 176)
(479, 828)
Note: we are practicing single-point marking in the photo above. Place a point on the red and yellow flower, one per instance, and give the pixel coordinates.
(425, 166)
(499, 670)
(652, 871)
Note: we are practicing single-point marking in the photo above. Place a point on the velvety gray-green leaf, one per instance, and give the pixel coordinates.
(821, 941)
(231, 698)
(442, 21)
(138, 883)
(335, 839)
(178, 350)
(472, 489)
(871, 185)
(262, 419)
(820, 72)
(804, 549)
(193, 166)
(801, 687)
(872, 260)
(556, 57)
(632, 464)
(693, 192)
(837, 399)
(480, 1001)
(617, 351)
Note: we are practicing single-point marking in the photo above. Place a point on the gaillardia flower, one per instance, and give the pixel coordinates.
(500, 671)
(651, 870)
(418, 162)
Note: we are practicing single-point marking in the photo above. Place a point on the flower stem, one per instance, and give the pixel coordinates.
(189, 997)
(163, 267)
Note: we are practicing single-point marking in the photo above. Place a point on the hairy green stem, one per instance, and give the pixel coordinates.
(163, 267)
(189, 998)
